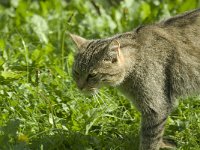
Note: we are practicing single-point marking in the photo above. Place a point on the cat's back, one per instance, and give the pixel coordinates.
(184, 35)
(189, 18)
(180, 30)
(184, 32)
(175, 45)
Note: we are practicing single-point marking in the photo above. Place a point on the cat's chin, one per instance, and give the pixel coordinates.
(90, 92)
(115, 84)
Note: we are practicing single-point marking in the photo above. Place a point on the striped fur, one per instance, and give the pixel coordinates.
(153, 66)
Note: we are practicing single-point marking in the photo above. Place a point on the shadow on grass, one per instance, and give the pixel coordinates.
(77, 141)
(58, 139)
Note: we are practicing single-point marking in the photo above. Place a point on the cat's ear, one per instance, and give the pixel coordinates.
(115, 52)
(79, 41)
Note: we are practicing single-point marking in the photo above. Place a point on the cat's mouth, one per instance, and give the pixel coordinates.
(90, 91)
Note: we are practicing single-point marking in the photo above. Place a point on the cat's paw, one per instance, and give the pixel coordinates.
(168, 144)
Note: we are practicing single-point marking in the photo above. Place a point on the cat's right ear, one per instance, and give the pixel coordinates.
(79, 41)
(115, 52)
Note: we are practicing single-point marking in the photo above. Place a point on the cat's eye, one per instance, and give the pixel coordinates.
(111, 59)
(92, 75)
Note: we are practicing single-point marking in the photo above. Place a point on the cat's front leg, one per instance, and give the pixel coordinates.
(152, 130)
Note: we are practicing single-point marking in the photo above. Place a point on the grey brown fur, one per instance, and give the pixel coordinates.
(152, 65)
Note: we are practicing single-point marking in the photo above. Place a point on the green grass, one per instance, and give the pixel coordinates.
(40, 106)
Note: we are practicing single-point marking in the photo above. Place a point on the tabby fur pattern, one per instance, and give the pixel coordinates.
(153, 66)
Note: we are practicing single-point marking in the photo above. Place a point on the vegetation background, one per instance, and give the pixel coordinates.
(40, 107)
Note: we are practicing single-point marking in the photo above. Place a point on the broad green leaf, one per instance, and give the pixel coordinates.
(36, 55)
(14, 3)
(40, 27)
(51, 118)
(2, 44)
(145, 10)
(12, 74)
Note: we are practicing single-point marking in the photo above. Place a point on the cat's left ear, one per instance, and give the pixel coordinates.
(79, 41)
(115, 52)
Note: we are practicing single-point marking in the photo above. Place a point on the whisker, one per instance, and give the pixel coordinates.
(107, 97)
(96, 99)
(102, 100)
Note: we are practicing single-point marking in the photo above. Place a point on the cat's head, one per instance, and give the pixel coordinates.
(97, 63)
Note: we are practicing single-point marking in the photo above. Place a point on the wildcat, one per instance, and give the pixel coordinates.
(152, 65)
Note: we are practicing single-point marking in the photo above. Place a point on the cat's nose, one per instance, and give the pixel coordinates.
(81, 85)
(80, 88)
